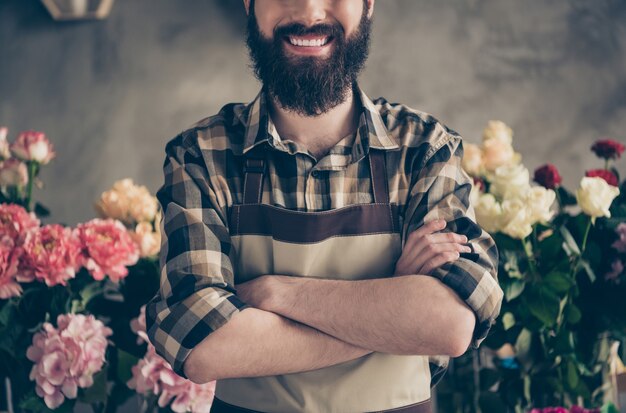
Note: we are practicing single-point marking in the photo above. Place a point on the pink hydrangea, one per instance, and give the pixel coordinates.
(67, 357)
(107, 248)
(152, 375)
(33, 146)
(16, 221)
(9, 259)
(51, 254)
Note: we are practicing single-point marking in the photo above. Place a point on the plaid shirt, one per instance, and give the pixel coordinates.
(203, 171)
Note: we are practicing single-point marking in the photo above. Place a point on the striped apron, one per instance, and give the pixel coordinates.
(361, 241)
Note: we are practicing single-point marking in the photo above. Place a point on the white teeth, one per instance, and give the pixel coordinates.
(308, 43)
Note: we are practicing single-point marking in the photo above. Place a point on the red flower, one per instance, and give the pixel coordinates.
(548, 176)
(479, 183)
(608, 149)
(608, 176)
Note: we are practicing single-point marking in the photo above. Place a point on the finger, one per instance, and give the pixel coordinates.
(429, 240)
(427, 228)
(432, 250)
(438, 261)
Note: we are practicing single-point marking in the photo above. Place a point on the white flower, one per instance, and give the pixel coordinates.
(540, 201)
(510, 181)
(497, 153)
(472, 159)
(498, 130)
(595, 196)
(516, 218)
(488, 213)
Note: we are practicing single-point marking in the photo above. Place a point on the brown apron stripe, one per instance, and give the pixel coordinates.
(306, 227)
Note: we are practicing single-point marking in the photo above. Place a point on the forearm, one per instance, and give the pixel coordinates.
(256, 343)
(409, 314)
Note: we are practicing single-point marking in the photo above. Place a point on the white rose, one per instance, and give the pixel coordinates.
(498, 130)
(510, 181)
(472, 159)
(488, 213)
(475, 194)
(540, 201)
(516, 218)
(595, 196)
(496, 153)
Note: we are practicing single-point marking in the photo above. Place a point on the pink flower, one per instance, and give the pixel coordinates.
(153, 375)
(67, 357)
(107, 248)
(138, 325)
(13, 172)
(33, 146)
(16, 221)
(620, 244)
(9, 259)
(51, 254)
(617, 268)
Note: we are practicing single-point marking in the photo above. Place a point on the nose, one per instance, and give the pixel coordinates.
(309, 12)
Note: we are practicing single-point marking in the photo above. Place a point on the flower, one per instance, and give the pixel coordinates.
(497, 153)
(51, 254)
(595, 196)
(516, 218)
(540, 201)
(67, 357)
(472, 159)
(608, 176)
(33, 146)
(510, 181)
(107, 248)
(607, 149)
(13, 172)
(617, 268)
(5, 152)
(128, 203)
(16, 221)
(548, 176)
(9, 255)
(620, 244)
(148, 241)
(153, 375)
(488, 213)
(498, 130)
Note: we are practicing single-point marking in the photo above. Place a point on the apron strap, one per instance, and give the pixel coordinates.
(253, 177)
(378, 171)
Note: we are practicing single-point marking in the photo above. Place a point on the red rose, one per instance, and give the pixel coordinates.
(608, 149)
(608, 176)
(479, 183)
(548, 176)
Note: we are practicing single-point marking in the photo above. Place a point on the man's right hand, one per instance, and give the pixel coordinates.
(426, 249)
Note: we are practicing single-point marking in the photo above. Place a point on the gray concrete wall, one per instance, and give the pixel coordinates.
(109, 94)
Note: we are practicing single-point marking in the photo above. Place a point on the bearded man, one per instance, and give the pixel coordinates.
(319, 252)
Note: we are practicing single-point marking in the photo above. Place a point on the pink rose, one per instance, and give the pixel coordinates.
(5, 152)
(107, 248)
(13, 172)
(33, 146)
(51, 254)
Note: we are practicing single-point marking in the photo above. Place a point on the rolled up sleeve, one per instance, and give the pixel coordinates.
(196, 294)
(441, 190)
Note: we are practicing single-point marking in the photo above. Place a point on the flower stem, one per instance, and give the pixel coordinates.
(529, 256)
(29, 187)
(584, 244)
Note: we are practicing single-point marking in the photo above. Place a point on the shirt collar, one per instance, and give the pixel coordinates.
(372, 132)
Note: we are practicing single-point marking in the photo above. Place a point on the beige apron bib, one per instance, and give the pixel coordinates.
(360, 241)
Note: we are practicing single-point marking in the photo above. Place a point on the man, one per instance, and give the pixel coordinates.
(319, 250)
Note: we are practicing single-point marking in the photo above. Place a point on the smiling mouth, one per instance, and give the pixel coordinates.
(308, 41)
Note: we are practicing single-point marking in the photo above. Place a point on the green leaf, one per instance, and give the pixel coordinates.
(558, 282)
(566, 197)
(6, 313)
(513, 289)
(488, 378)
(125, 363)
(573, 314)
(590, 272)
(544, 305)
(41, 211)
(569, 244)
(97, 393)
(609, 408)
(508, 320)
(572, 375)
(522, 344)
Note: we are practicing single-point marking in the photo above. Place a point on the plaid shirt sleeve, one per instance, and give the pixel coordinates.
(441, 190)
(196, 294)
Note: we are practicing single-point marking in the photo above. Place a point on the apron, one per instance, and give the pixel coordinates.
(361, 241)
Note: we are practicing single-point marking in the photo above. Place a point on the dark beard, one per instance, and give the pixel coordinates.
(308, 85)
